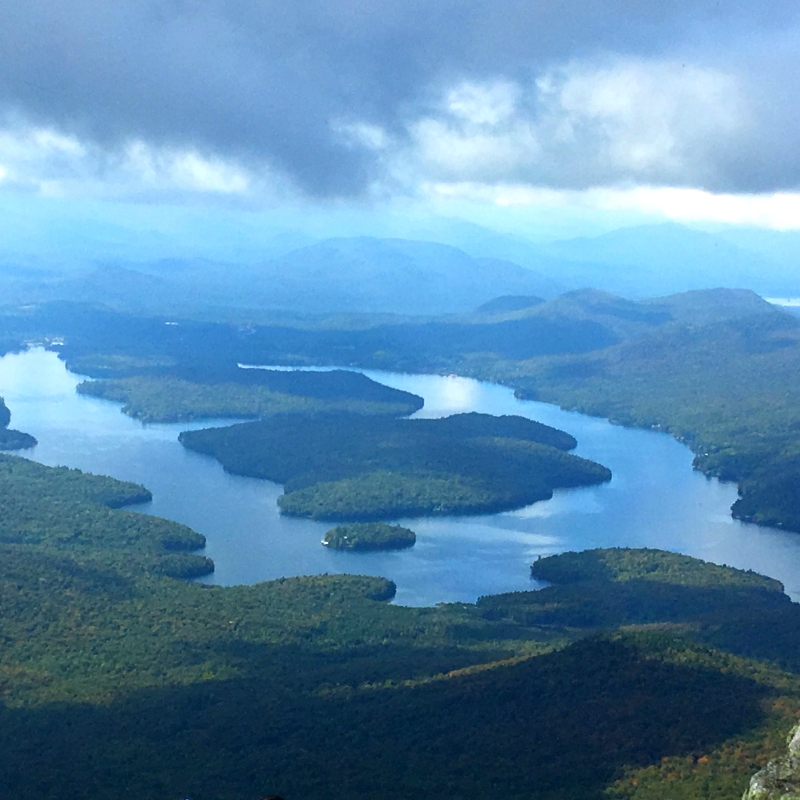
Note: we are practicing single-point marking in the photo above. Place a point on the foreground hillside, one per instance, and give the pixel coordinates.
(638, 674)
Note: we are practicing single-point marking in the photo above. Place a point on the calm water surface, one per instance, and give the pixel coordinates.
(654, 500)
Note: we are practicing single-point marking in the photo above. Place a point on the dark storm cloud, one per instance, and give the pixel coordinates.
(263, 82)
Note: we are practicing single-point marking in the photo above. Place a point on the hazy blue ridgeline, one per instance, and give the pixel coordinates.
(459, 267)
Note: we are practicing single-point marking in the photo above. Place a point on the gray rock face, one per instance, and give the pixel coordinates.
(780, 779)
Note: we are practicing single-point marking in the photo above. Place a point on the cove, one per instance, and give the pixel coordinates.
(655, 499)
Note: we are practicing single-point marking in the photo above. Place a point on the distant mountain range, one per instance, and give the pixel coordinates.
(360, 274)
(393, 275)
(412, 277)
(661, 259)
(653, 260)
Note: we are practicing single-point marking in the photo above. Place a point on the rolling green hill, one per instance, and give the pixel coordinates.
(118, 680)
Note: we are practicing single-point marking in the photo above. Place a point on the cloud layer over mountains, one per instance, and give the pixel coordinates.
(346, 98)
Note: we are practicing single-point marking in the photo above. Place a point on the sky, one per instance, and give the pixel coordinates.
(537, 116)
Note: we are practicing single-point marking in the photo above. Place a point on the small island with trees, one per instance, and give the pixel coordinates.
(366, 536)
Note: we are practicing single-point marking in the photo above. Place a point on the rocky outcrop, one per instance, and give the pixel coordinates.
(780, 779)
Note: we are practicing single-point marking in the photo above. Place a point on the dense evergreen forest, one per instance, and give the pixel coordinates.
(354, 467)
(730, 390)
(118, 680)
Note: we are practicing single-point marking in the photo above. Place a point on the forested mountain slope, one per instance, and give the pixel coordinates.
(729, 388)
(635, 675)
(118, 680)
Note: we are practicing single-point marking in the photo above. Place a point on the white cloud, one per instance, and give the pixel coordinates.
(578, 126)
(362, 134)
(643, 118)
(625, 135)
(479, 133)
(475, 154)
(34, 156)
(56, 164)
(628, 135)
(776, 210)
(182, 170)
(483, 103)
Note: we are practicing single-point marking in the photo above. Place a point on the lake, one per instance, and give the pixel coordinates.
(655, 499)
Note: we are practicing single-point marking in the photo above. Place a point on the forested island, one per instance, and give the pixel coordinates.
(367, 536)
(351, 467)
(10, 439)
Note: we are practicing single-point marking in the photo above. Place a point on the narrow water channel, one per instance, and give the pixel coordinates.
(655, 499)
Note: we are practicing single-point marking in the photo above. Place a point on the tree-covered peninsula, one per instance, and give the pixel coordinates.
(216, 392)
(365, 536)
(10, 439)
(725, 380)
(350, 467)
(68, 514)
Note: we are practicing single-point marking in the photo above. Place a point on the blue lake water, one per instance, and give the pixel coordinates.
(655, 499)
